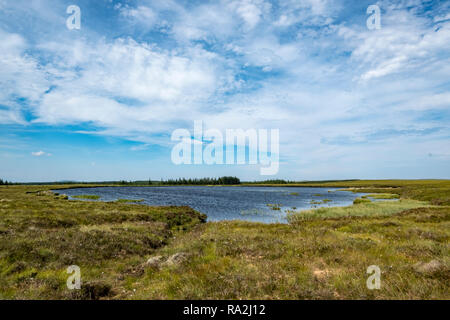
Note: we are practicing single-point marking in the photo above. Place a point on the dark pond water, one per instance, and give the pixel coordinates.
(258, 204)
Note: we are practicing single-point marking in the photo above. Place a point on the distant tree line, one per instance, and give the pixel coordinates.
(4, 183)
(273, 181)
(202, 181)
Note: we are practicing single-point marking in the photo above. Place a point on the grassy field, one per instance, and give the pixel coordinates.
(87, 197)
(358, 209)
(132, 251)
(41, 234)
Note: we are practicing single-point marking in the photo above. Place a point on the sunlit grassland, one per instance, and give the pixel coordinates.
(321, 254)
(129, 200)
(318, 259)
(382, 196)
(359, 209)
(41, 234)
(87, 197)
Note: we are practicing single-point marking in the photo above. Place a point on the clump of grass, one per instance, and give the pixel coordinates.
(129, 200)
(316, 202)
(317, 195)
(363, 209)
(382, 196)
(361, 200)
(87, 197)
(294, 194)
(274, 206)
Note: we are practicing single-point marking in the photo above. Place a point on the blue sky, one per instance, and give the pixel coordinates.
(100, 103)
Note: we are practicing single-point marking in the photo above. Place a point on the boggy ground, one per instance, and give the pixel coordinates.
(131, 251)
(41, 234)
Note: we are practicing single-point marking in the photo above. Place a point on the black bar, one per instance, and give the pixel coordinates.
(212, 309)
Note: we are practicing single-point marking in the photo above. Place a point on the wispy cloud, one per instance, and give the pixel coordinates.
(40, 154)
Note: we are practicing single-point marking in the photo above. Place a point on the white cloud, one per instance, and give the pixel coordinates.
(307, 12)
(141, 14)
(40, 153)
(20, 76)
(443, 17)
(404, 43)
(140, 147)
(250, 11)
(129, 88)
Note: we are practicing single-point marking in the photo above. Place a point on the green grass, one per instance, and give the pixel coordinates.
(382, 196)
(320, 201)
(318, 259)
(129, 200)
(361, 200)
(274, 206)
(360, 209)
(87, 197)
(320, 254)
(41, 234)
